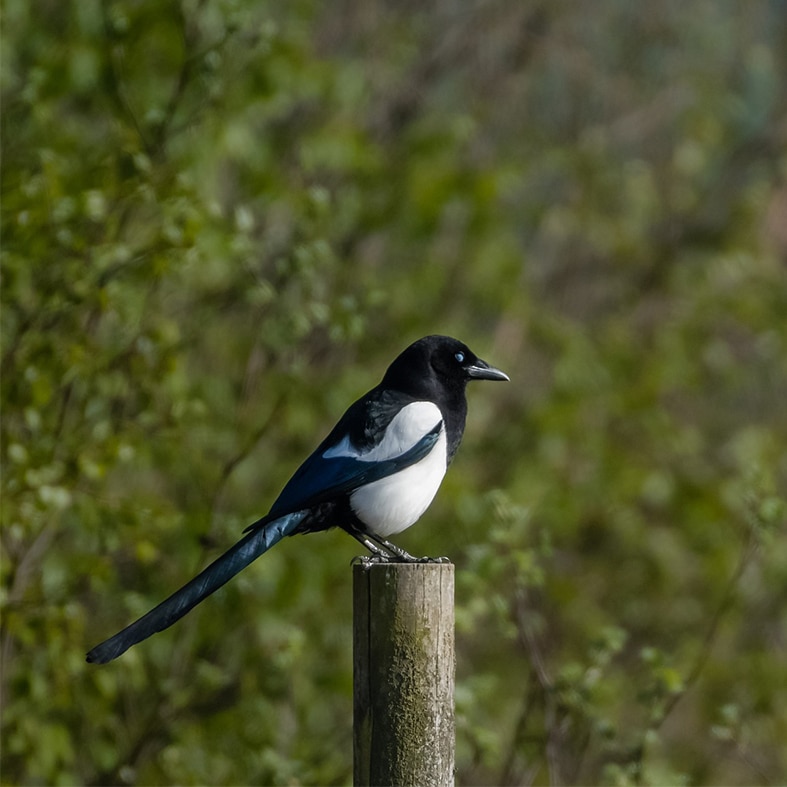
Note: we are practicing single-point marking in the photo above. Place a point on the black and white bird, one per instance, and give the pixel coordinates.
(374, 475)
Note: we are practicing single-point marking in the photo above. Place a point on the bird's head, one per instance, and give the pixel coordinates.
(438, 358)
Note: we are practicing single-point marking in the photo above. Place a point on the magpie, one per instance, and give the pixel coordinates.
(374, 475)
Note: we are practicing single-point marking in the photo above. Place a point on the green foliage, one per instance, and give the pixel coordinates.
(221, 220)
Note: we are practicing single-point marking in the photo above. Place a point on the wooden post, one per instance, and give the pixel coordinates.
(403, 661)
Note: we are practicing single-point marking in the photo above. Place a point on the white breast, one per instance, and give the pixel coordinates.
(392, 504)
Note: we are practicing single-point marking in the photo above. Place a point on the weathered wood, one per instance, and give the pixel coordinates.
(403, 653)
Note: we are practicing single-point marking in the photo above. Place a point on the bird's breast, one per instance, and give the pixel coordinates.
(393, 503)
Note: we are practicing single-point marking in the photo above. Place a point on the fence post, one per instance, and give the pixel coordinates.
(403, 664)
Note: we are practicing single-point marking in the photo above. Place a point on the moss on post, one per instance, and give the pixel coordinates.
(403, 674)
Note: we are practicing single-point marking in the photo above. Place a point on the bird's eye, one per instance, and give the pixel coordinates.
(460, 356)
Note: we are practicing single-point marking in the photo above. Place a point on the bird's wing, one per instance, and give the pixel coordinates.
(337, 467)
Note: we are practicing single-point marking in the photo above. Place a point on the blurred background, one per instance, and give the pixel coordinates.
(222, 219)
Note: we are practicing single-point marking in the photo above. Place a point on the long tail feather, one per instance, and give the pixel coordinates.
(220, 571)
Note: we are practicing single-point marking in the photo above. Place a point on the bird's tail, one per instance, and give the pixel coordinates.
(221, 570)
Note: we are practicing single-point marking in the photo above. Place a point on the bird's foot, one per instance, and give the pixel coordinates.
(378, 559)
(385, 552)
(370, 560)
(427, 559)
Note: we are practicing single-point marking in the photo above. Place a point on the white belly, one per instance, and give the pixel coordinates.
(392, 504)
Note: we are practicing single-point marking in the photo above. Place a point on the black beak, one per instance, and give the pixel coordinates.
(481, 370)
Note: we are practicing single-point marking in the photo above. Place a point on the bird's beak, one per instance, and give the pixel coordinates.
(481, 370)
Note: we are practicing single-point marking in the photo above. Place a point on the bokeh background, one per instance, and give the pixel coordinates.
(222, 219)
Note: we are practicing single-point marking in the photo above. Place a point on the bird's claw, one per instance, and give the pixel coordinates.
(367, 561)
(427, 559)
(371, 560)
